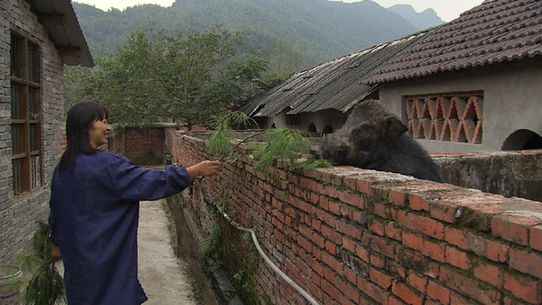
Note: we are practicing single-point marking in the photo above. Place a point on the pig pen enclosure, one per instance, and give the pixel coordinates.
(352, 236)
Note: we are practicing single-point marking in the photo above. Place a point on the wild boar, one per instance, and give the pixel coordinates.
(372, 138)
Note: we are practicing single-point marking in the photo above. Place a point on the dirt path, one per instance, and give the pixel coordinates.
(162, 275)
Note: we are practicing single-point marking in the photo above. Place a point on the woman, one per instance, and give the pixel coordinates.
(95, 210)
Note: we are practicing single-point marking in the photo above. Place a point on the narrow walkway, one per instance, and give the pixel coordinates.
(162, 275)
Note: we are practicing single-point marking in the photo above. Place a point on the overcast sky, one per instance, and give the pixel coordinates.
(446, 9)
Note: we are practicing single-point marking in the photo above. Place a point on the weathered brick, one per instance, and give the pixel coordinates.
(444, 211)
(377, 228)
(435, 251)
(457, 258)
(384, 246)
(536, 237)
(438, 292)
(392, 231)
(394, 301)
(406, 294)
(397, 197)
(468, 286)
(332, 262)
(362, 253)
(413, 241)
(527, 262)
(304, 243)
(353, 199)
(496, 251)
(331, 234)
(381, 209)
(330, 290)
(524, 287)
(456, 237)
(417, 282)
(351, 276)
(351, 293)
(489, 273)
(371, 290)
(509, 300)
(352, 230)
(378, 261)
(513, 228)
(331, 247)
(381, 279)
(427, 226)
(349, 244)
(417, 203)
(457, 299)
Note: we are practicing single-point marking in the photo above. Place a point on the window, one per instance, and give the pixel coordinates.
(25, 114)
(293, 119)
(454, 117)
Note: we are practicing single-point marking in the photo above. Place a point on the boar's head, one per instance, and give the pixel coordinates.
(363, 139)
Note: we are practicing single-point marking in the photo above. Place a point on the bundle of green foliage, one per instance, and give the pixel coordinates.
(281, 144)
(46, 286)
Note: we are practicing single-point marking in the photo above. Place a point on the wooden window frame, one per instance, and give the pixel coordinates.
(26, 79)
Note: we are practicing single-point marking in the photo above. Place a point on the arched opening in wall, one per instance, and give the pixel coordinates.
(261, 123)
(312, 128)
(523, 139)
(328, 129)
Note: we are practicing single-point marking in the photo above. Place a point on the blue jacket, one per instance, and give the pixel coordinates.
(94, 219)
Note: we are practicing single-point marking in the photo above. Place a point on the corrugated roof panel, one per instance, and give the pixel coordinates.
(335, 84)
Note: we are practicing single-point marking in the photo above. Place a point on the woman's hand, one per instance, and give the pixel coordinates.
(203, 169)
(55, 254)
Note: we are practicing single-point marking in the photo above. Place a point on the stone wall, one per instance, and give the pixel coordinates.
(353, 236)
(19, 214)
(511, 174)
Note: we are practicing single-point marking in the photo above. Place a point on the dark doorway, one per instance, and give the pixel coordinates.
(523, 139)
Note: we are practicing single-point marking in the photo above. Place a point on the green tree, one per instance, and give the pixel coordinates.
(184, 77)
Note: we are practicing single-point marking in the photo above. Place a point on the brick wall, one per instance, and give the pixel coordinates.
(353, 236)
(19, 214)
(141, 145)
(511, 174)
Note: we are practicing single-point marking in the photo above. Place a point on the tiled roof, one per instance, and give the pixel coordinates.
(336, 84)
(495, 31)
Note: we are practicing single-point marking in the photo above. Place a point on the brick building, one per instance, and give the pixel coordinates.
(37, 37)
(473, 84)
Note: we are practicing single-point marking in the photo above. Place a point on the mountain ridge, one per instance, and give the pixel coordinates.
(318, 29)
(425, 19)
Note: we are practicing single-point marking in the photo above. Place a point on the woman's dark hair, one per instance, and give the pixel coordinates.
(78, 123)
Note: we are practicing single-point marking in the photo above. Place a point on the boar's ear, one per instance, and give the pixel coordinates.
(394, 127)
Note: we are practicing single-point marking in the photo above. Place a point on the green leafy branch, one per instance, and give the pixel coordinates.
(289, 145)
(46, 286)
(224, 127)
(282, 144)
